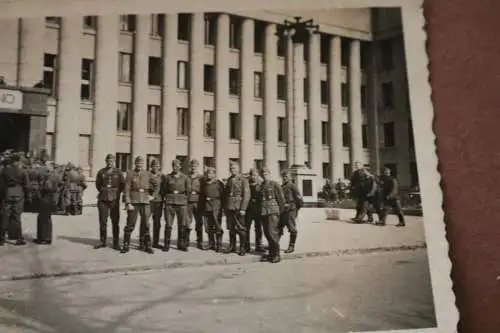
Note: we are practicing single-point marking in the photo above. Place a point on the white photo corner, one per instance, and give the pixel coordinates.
(322, 89)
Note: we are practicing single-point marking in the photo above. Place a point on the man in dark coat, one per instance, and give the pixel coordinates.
(367, 192)
(211, 194)
(389, 195)
(293, 203)
(193, 212)
(253, 213)
(156, 203)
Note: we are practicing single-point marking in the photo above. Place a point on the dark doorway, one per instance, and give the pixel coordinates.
(14, 132)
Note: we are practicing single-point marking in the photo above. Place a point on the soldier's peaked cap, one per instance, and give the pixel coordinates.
(110, 156)
(155, 162)
(176, 162)
(194, 162)
(139, 159)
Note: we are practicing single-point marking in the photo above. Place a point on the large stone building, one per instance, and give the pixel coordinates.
(215, 87)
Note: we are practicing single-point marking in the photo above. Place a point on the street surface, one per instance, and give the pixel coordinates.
(350, 293)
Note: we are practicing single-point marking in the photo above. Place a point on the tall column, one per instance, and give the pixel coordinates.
(355, 114)
(299, 109)
(140, 87)
(246, 95)
(68, 106)
(196, 48)
(222, 96)
(270, 100)
(314, 105)
(169, 93)
(290, 151)
(335, 109)
(373, 106)
(106, 90)
(31, 60)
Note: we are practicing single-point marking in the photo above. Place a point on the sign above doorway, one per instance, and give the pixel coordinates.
(11, 99)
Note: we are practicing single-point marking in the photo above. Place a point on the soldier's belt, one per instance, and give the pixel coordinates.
(213, 198)
(194, 192)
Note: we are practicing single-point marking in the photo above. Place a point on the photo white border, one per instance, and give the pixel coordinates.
(419, 90)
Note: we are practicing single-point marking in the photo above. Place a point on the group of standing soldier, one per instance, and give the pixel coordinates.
(33, 183)
(201, 198)
(377, 194)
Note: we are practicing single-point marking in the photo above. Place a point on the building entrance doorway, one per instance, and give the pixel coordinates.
(14, 132)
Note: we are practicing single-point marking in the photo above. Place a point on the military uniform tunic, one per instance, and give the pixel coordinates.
(193, 211)
(139, 189)
(210, 204)
(293, 202)
(390, 198)
(175, 190)
(236, 199)
(272, 203)
(253, 213)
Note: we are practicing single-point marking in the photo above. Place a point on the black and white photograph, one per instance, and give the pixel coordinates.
(225, 169)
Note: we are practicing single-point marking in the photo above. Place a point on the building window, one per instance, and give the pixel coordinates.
(389, 135)
(182, 122)
(210, 29)
(124, 117)
(127, 23)
(258, 164)
(53, 20)
(235, 33)
(258, 87)
(325, 49)
(234, 81)
(234, 126)
(259, 37)
(324, 93)
(281, 46)
(346, 135)
(126, 68)
(209, 162)
(150, 158)
(90, 22)
(325, 133)
(184, 162)
(49, 72)
(155, 76)
(258, 128)
(209, 124)
(388, 94)
(347, 171)
(394, 169)
(387, 55)
(306, 90)
(364, 97)
(306, 132)
(344, 95)
(345, 48)
(281, 81)
(87, 77)
(411, 139)
(183, 27)
(157, 25)
(282, 165)
(84, 150)
(364, 133)
(326, 170)
(182, 75)
(154, 119)
(209, 78)
(123, 161)
(282, 137)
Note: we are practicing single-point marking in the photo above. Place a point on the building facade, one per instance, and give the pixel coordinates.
(217, 87)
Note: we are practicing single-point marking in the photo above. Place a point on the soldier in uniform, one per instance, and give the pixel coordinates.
(14, 184)
(139, 190)
(236, 199)
(72, 180)
(253, 213)
(210, 204)
(389, 195)
(109, 184)
(367, 192)
(81, 187)
(156, 203)
(175, 188)
(33, 195)
(272, 203)
(49, 181)
(293, 203)
(193, 211)
(361, 203)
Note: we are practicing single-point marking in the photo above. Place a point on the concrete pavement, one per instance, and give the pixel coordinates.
(72, 254)
(383, 291)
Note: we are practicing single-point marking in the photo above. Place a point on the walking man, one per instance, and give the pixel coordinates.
(293, 203)
(389, 192)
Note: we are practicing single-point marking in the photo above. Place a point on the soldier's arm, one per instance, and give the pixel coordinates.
(188, 185)
(26, 181)
(98, 180)
(163, 186)
(280, 196)
(394, 190)
(373, 189)
(246, 195)
(126, 193)
(152, 185)
(123, 180)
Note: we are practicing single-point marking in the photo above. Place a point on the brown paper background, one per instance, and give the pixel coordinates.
(464, 51)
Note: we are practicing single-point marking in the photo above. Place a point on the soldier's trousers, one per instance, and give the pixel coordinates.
(236, 223)
(171, 212)
(46, 208)
(214, 222)
(363, 206)
(73, 202)
(395, 204)
(257, 222)
(12, 209)
(142, 210)
(288, 219)
(193, 211)
(105, 210)
(270, 224)
(156, 213)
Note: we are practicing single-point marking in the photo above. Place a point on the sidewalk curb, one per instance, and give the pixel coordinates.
(212, 262)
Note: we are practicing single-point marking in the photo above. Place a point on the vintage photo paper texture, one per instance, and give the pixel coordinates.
(279, 156)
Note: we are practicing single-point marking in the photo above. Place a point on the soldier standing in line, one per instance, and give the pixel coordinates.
(14, 184)
(72, 178)
(367, 191)
(389, 192)
(193, 211)
(49, 182)
(175, 189)
(139, 190)
(272, 204)
(210, 203)
(253, 213)
(293, 203)
(156, 203)
(109, 184)
(236, 199)
(81, 187)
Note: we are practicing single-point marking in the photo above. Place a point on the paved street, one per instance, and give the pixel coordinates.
(326, 294)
